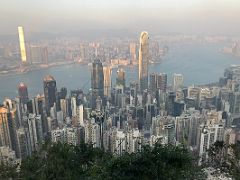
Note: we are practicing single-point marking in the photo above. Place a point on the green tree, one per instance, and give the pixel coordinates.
(64, 161)
(225, 157)
(160, 162)
(8, 170)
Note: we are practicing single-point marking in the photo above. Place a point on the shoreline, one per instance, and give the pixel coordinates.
(34, 68)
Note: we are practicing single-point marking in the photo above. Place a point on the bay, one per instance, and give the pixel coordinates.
(200, 63)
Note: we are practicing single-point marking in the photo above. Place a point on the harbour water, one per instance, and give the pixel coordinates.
(200, 63)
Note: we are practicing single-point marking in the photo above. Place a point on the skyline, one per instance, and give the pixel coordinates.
(199, 16)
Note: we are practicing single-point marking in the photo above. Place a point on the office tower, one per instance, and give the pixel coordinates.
(133, 56)
(178, 108)
(143, 61)
(235, 103)
(107, 71)
(97, 79)
(78, 94)
(63, 93)
(22, 44)
(50, 92)
(23, 93)
(153, 82)
(170, 103)
(120, 80)
(177, 81)
(162, 82)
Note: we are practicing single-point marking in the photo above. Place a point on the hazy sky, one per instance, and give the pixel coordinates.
(185, 16)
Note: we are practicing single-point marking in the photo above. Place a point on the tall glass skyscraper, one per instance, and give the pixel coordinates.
(23, 93)
(107, 71)
(97, 81)
(50, 91)
(143, 61)
(22, 44)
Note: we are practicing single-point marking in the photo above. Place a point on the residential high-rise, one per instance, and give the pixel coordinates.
(177, 81)
(35, 130)
(162, 82)
(50, 92)
(207, 136)
(8, 125)
(23, 143)
(107, 71)
(5, 139)
(97, 79)
(22, 44)
(143, 61)
(23, 93)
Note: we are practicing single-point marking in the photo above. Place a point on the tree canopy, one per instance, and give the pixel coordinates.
(64, 161)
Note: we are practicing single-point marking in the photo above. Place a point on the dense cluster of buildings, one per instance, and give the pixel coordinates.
(123, 117)
(43, 53)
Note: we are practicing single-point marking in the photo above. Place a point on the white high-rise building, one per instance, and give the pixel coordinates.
(92, 133)
(177, 81)
(74, 106)
(120, 142)
(134, 140)
(63, 105)
(80, 115)
(35, 130)
(66, 135)
(207, 136)
(57, 135)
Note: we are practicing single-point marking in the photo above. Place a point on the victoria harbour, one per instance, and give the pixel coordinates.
(200, 63)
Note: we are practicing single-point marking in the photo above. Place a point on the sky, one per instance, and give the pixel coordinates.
(158, 16)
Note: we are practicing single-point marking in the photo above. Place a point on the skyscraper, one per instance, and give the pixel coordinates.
(50, 92)
(97, 81)
(143, 61)
(107, 71)
(8, 125)
(162, 82)
(177, 81)
(23, 93)
(5, 139)
(120, 77)
(153, 82)
(22, 44)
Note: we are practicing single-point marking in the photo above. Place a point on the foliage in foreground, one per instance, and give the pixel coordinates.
(64, 161)
(225, 157)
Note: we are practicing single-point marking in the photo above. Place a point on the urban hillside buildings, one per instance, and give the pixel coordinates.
(122, 117)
